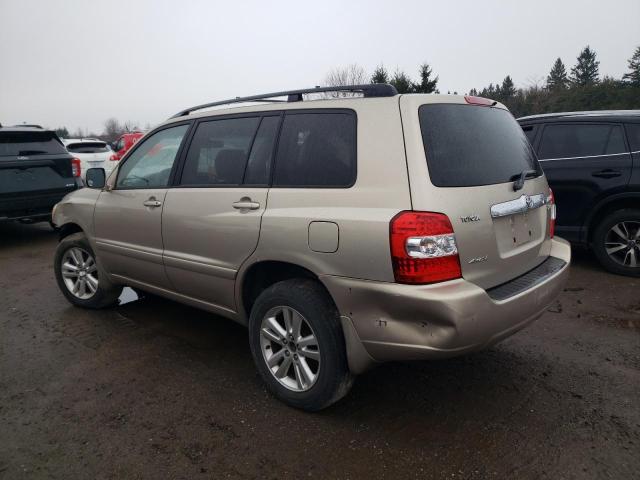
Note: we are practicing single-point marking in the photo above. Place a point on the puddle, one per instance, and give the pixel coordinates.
(128, 295)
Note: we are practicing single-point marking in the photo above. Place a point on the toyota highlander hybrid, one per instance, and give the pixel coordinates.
(342, 232)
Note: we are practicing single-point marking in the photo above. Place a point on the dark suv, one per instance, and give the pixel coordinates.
(36, 172)
(592, 163)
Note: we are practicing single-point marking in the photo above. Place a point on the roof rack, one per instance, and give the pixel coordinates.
(368, 91)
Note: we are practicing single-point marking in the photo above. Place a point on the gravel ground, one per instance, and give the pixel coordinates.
(153, 389)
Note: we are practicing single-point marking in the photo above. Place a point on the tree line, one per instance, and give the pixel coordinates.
(582, 88)
(112, 129)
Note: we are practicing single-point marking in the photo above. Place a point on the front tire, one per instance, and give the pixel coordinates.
(298, 345)
(79, 275)
(616, 242)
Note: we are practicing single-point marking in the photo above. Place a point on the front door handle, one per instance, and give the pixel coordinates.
(245, 203)
(607, 173)
(152, 202)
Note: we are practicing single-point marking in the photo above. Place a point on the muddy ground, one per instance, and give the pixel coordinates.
(153, 389)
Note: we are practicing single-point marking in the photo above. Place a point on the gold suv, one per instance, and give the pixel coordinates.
(343, 232)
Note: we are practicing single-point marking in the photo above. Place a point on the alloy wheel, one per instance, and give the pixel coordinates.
(622, 243)
(80, 273)
(290, 348)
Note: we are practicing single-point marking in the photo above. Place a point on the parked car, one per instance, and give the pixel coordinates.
(592, 162)
(397, 227)
(35, 173)
(91, 152)
(123, 144)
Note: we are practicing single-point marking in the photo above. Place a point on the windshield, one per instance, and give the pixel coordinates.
(14, 144)
(469, 145)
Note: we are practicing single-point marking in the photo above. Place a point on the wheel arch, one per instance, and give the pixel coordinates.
(260, 275)
(607, 206)
(69, 229)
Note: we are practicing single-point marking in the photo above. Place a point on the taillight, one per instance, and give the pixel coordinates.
(551, 201)
(75, 167)
(423, 248)
(114, 158)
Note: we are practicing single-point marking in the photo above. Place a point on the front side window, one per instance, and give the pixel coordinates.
(587, 140)
(149, 166)
(316, 150)
(218, 152)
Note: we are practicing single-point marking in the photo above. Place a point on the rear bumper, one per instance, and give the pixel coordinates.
(390, 322)
(34, 207)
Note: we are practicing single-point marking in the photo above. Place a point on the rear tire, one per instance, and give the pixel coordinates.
(317, 374)
(80, 276)
(616, 242)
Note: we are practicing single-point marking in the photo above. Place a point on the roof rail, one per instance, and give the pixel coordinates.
(368, 90)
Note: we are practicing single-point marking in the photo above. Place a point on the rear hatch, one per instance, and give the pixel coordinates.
(464, 157)
(33, 163)
(92, 154)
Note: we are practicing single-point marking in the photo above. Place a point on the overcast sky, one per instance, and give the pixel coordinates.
(76, 63)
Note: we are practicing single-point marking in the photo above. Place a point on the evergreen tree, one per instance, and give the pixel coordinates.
(508, 89)
(380, 75)
(633, 76)
(402, 82)
(62, 132)
(557, 78)
(473, 92)
(586, 70)
(427, 84)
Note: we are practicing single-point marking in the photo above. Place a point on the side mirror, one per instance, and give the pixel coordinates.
(95, 178)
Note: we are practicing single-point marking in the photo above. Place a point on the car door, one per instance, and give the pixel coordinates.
(128, 217)
(583, 162)
(211, 218)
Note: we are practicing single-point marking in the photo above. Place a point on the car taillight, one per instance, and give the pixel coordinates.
(551, 201)
(423, 248)
(75, 167)
(113, 158)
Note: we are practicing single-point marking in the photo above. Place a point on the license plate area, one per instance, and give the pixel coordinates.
(521, 231)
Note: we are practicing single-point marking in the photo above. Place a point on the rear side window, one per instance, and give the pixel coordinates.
(218, 152)
(88, 147)
(317, 150)
(470, 145)
(29, 143)
(573, 140)
(633, 133)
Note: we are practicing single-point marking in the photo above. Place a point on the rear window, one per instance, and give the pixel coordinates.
(585, 140)
(469, 145)
(633, 132)
(29, 143)
(88, 147)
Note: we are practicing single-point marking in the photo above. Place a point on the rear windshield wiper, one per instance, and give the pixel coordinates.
(30, 152)
(520, 178)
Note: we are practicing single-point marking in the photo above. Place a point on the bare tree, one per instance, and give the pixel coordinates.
(112, 129)
(352, 74)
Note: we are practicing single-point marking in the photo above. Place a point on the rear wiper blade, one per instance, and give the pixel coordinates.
(519, 179)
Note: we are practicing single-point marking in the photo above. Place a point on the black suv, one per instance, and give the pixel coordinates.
(36, 171)
(592, 163)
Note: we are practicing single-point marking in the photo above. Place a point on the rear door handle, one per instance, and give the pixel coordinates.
(152, 202)
(245, 203)
(607, 173)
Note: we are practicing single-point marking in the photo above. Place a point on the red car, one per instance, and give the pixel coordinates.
(123, 144)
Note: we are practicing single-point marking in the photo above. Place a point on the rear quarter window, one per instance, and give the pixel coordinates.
(581, 140)
(633, 133)
(317, 150)
(468, 145)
